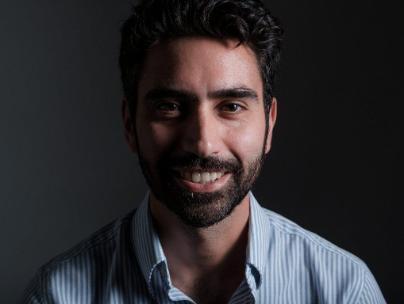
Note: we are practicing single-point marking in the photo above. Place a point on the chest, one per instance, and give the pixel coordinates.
(210, 289)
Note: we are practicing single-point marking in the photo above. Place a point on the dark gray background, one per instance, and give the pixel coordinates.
(335, 165)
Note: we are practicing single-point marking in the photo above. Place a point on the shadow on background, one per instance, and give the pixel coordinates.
(334, 167)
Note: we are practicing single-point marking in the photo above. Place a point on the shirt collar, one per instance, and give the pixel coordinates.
(258, 243)
(147, 246)
(149, 251)
(150, 255)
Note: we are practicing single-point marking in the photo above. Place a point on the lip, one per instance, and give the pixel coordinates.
(209, 187)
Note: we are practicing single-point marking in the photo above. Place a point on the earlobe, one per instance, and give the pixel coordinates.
(271, 123)
(129, 125)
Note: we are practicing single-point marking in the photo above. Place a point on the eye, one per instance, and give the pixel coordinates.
(167, 108)
(232, 107)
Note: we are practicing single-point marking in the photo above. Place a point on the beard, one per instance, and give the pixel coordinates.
(200, 209)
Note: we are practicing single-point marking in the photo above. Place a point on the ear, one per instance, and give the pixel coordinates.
(129, 125)
(271, 123)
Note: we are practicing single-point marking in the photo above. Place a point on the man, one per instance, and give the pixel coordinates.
(199, 112)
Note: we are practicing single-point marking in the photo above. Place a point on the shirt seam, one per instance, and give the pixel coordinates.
(361, 288)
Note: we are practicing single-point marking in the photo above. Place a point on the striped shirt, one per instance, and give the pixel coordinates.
(124, 263)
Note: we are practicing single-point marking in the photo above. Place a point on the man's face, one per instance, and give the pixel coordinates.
(199, 127)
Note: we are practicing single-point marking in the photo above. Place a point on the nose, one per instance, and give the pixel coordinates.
(201, 133)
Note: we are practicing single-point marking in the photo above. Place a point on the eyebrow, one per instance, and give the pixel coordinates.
(237, 92)
(234, 92)
(165, 92)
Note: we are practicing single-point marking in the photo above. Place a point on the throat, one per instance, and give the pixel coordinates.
(211, 276)
(204, 261)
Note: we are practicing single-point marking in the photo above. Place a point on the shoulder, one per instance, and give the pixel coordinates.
(90, 262)
(104, 238)
(315, 264)
(291, 232)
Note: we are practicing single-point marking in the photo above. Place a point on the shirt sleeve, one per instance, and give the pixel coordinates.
(371, 293)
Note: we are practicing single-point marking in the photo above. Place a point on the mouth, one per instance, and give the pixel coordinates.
(202, 181)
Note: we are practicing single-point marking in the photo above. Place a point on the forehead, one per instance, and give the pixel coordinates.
(200, 65)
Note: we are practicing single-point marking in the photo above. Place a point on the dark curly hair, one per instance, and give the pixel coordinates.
(248, 21)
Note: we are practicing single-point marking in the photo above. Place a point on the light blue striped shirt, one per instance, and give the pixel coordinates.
(125, 263)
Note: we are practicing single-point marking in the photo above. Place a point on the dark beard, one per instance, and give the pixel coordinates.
(198, 209)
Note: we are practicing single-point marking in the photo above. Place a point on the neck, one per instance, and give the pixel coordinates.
(195, 252)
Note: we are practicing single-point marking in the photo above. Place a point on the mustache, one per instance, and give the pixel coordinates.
(192, 161)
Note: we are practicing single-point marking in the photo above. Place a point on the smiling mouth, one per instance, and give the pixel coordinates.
(200, 177)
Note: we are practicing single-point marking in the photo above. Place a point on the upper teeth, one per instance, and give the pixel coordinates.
(201, 177)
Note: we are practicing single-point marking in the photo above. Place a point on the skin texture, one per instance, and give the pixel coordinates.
(207, 125)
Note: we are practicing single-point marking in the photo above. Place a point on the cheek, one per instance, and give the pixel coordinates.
(154, 139)
(246, 142)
